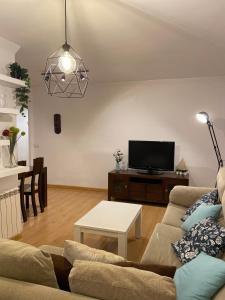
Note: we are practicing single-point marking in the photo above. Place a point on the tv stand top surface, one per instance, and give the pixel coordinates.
(171, 175)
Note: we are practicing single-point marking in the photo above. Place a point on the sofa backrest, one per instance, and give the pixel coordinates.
(221, 182)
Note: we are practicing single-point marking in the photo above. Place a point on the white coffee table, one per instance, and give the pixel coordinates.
(112, 219)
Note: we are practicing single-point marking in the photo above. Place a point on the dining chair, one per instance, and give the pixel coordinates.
(22, 163)
(35, 186)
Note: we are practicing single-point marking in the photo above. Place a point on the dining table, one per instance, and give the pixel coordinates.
(44, 189)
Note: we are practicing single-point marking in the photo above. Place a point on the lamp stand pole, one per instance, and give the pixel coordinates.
(215, 144)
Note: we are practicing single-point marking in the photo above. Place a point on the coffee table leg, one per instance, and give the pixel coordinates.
(78, 234)
(138, 226)
(122, 244)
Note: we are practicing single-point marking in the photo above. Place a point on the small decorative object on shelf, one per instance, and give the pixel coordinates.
(13, 135)
(22, 93)
(181, 168)
(118, 155)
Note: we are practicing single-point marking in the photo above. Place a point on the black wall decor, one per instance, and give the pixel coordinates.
(57, 123)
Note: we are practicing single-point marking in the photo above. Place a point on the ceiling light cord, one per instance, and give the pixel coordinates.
(65, 24)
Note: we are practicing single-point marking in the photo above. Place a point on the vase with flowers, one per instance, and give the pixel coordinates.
(118, 155)
(13, 134)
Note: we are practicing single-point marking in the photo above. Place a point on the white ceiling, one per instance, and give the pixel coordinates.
(122, 39)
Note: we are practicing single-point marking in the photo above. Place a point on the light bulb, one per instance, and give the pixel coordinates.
(67, 64)
(202, 117)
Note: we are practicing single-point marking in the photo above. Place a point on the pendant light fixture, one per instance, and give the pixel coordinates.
(65, 74)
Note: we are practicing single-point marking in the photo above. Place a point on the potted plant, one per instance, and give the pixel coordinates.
(22, 93)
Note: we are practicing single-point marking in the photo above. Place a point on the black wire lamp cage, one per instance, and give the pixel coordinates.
(65, 74)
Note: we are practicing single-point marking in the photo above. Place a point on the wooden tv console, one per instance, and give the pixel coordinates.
(133, 186)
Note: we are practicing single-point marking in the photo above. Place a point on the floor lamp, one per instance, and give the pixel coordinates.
(203, 117)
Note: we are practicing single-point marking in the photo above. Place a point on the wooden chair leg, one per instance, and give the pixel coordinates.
(27, 201)
(23, 209)
(42, 207)
(34, 204)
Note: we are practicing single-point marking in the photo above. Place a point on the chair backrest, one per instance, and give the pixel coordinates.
(38, 164)
(22, 163)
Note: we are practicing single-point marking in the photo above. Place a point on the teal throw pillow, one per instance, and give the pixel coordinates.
(200, 278)
(202, 212)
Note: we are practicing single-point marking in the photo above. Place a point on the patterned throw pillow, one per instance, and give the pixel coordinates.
(209, 198)
(206, 236)
(185, 250)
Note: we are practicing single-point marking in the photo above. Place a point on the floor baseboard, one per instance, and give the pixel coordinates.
(77, 187)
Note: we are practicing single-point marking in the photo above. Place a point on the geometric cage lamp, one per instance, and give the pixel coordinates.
(65, 74)
(203, 117)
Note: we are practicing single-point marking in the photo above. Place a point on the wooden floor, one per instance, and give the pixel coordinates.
(65, 206)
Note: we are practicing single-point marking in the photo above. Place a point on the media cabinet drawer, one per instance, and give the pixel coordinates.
(137, 191)
(151, 188)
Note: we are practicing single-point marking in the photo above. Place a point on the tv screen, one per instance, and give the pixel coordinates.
(151, 155)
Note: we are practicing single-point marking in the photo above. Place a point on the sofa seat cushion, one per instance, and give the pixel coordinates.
(159, 250)
(110, 282)
(173, 215)
(11, 289)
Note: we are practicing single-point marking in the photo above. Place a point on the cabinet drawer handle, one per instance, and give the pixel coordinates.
(125, 186)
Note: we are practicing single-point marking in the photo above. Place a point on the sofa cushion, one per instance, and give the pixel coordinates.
(62, 268)
(51, 249)
(185, 249)
(202, 212)
(159, 250)
(110, 282)
(24, 262)
(200, 279)
(209, 198)
(74, 250)
(173, 215)
(207, 236)
(167, 271)
(19, 290)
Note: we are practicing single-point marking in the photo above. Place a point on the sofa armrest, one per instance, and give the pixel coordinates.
(13, 289)
(187, 195)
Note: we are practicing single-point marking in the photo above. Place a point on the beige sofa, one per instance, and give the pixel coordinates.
(158, 250)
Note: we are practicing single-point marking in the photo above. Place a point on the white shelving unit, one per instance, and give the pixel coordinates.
(11, 82)
(4, 172)
(9, 111)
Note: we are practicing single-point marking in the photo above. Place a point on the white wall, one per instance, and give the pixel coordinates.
(111, 114)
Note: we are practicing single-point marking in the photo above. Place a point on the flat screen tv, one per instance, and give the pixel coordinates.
(151, 155)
